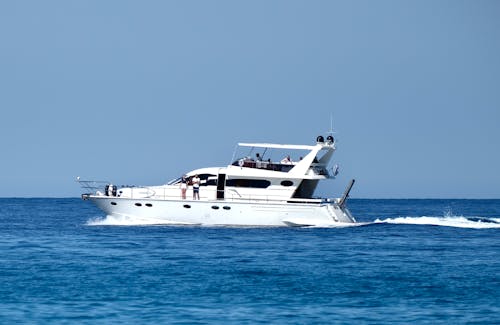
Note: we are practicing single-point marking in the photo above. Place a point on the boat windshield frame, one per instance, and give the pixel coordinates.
(174, 181)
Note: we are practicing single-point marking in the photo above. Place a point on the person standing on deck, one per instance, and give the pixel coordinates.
(196, 187)
(183, 187)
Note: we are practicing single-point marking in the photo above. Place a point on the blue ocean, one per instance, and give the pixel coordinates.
(407, 261)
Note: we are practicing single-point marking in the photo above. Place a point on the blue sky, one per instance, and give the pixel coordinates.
(138, 92)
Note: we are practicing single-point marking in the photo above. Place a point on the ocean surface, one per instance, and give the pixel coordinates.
(408, 261)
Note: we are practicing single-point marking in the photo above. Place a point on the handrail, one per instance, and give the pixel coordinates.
(235, 191)
(99, 187)
(255, 198)
(92, 186)
(152, 192)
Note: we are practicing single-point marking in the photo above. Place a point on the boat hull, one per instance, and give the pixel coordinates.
(224, 212)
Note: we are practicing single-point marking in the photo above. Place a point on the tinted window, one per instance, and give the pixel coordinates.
(210, 182)
(241, 182)
(204, 177)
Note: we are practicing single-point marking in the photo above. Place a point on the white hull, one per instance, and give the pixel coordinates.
(248, 192)
(224, 212)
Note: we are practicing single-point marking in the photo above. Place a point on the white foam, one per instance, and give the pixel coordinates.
(320, 223)
(339, 225)
(447, 221)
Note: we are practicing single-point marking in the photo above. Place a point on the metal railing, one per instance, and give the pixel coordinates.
(158, 193)
(92, 186)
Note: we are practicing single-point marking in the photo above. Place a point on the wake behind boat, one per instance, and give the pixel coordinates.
(249, 192)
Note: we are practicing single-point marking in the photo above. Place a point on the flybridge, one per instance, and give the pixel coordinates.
(298, 166)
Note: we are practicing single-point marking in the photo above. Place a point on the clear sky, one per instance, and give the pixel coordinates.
(138, 92)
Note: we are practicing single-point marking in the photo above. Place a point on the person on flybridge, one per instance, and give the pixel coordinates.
(286, 160)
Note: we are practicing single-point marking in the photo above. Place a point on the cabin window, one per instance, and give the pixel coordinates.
(205, 176)
(210, 182)
(113, 203)
(215, 207)
(226, 207)
(287, 183)
(187, 206)
(138, 205)
(149, 205)
(243, 182)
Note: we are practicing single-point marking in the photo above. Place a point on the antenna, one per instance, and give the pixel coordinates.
(331, 123)
(331, 132)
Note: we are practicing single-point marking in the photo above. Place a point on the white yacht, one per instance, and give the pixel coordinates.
(251, 191)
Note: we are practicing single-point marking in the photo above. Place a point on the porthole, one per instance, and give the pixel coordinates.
(215, 207)
(138, 204)
(187, 206)
(226, 207)
(149, 205)
(113, 203)
(286, 183)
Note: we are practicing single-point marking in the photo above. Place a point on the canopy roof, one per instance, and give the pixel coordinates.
(277, 146)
